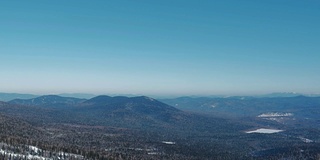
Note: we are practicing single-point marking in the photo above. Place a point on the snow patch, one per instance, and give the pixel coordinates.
(306, 140)
(275, 114)
(148, 98)
(29, 156)
(35, 149)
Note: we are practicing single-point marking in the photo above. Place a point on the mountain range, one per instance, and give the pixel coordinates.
(119, 111)
(245, 106)
(48, 101)
(187, 128)
(11, 96)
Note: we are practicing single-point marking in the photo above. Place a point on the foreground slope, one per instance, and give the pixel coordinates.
(15, 127)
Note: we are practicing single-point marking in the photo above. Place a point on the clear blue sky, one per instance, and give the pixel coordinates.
(173, 47)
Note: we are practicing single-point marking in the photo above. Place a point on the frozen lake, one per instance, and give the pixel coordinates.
(264, 130)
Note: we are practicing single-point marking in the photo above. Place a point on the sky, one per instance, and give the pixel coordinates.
(167, 47)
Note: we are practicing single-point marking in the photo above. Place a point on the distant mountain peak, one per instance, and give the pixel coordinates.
(143, 98)
(49, 97)
(141, 103)
(101, 97)
(282, 94)
(47, 100)
(11, 96)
